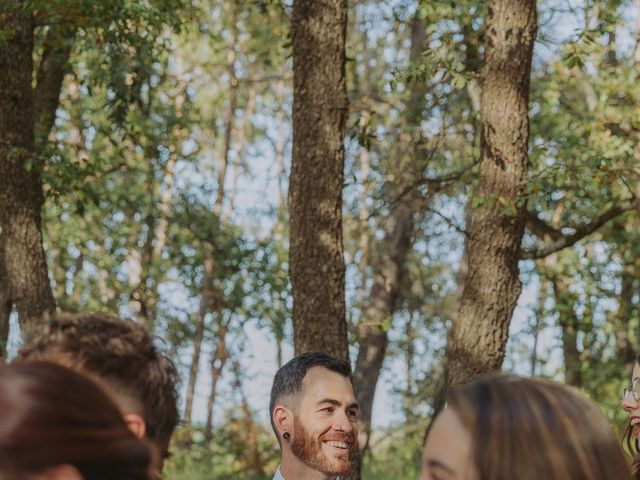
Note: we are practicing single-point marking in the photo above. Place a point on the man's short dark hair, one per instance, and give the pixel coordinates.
(119, 352)
(288, 379)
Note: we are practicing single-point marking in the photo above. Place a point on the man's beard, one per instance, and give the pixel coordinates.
(309, 450)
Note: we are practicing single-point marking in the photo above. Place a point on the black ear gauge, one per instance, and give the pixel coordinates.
(286, 435)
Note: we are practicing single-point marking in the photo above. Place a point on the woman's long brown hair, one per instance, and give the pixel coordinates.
(536, 429)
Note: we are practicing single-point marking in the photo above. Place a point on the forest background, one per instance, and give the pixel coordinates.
(160, 135)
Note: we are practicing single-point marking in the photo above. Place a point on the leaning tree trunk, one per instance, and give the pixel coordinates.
(317, 175)
(21, 196)
(491, 287)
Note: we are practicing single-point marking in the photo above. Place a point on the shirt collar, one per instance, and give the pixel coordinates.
(279, 476)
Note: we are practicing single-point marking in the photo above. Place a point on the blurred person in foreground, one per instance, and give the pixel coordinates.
(630, 401)
(314, 416)
(121, 356)
(56, 424)
(503, 427)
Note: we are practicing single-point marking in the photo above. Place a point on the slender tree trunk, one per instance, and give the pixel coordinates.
(624, 316)
(479, 335)
(208, 297)
(21, 196)
(537, 327)
(279, 231)
(317, 174)
(565, 302)
(410, 353)
(218, 361)
(241, 139)
(363, 225)
(198, 337)
(636, 50)
(389, 267)
(256, 461)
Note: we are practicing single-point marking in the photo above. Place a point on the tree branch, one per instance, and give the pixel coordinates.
(580, 231)
(540, 228)
(53, 67)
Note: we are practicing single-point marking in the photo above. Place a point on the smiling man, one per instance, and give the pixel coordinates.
(314, 415)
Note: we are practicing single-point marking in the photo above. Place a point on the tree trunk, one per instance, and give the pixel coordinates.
(537, 327)
(53, 67)
(198, 337)
(363, 223)
(21, 196)
(388, 270)
(255, 460)
(389, 267)
(565, 302)
(410, 353)
(624, 316)
(317, 174)
(219, 359)
(478, 338)
(209, 296)
(636, 49)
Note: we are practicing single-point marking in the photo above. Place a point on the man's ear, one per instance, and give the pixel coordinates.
(60, 472)
(283, 419)
(136, 424)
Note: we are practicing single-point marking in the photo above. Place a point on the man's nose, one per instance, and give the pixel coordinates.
(344, 423)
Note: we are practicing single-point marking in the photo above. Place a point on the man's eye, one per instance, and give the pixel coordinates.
(353, 415)
(327, 410)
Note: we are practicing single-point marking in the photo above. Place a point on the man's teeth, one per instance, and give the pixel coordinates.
(338, 444)
(635, 422)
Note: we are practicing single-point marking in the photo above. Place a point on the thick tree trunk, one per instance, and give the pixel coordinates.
(479, 335)
(21, 196)
(317, 174)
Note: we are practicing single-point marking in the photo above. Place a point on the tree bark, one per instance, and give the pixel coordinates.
(624, 316)
(219, 359)
(491, 288)
(537, 326)
(53, 67)
(255, 460)
(194, 368)
(21, 195)
(390, 265)
(565, 302)
(209, 297)
(636, 49)
(317, 174)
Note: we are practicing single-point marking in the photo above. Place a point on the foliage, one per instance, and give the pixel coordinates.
(161, 93)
